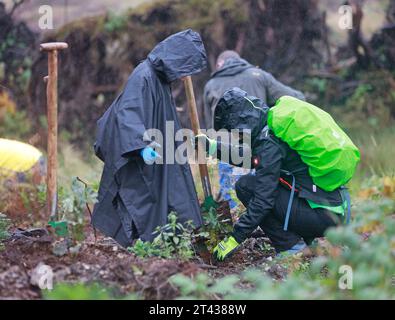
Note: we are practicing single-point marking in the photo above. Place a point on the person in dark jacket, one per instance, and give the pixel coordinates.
(137, 188)
(266, 192)
(233, 71)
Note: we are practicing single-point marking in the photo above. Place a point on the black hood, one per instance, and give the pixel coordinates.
(182, 54)
(232, 67)
(237, 110)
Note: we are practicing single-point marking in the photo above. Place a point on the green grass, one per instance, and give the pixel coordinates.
(73, 163)
(377, 155)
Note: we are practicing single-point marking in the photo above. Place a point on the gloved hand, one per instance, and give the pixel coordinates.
(149, 155)
(210, 145)
(225, 248)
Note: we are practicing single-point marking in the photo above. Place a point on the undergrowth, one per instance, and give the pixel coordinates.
(94, 291)
(357, 263)
(4, 225)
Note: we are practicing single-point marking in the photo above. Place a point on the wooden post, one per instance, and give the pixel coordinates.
(52, 118)
(204, 176)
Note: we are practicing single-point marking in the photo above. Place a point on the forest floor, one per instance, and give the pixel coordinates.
(104, 262)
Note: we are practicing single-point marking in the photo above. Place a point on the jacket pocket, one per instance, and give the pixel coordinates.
(147, 173)
(135, 188)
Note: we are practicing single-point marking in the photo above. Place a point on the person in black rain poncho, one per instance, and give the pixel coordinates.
(135, 196)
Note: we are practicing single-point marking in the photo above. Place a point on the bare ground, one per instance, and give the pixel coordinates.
(103, 261)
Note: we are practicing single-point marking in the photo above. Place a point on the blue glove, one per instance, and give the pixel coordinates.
(149, 155)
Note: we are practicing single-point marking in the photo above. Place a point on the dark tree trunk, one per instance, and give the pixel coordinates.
(357, 43)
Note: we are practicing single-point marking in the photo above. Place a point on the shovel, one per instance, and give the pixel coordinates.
(209, 201)
(51, 80)
(222, 209)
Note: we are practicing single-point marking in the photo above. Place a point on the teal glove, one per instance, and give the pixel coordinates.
(149, 155)
(225, 248)
(210, 145)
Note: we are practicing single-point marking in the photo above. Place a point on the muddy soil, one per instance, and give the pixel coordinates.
(103, 261)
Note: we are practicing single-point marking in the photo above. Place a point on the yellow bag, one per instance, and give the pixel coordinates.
(16, 157)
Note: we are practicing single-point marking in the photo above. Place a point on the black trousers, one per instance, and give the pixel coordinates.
(304, 223)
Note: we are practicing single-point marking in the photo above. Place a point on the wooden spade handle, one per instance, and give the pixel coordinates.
(204, 176)
(52, 117)
(50, 46)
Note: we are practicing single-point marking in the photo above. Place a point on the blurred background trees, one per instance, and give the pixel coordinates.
(349, 72)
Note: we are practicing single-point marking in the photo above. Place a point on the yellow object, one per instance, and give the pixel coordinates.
(389, 186)
(17, 157)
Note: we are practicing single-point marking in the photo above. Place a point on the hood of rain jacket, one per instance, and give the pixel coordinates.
(237, 110)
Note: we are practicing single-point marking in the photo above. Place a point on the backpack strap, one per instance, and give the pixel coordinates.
(291, 197)
(290, 201)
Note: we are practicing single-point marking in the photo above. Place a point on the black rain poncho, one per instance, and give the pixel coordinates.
(134, 198)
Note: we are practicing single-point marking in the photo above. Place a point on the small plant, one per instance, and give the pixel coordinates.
(216, 226)
(42, 194)
(4, 225)
(215, 222)
(146, 249)
(267, 247)
(175, 238)
(73, 206)
(172, 240)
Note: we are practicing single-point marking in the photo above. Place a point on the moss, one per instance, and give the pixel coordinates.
(200, 14)
(194, 14)
(146, 7)
(94, 26)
